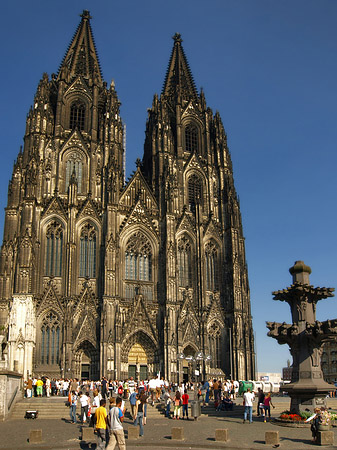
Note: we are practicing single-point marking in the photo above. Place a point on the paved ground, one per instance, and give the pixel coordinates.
(60, 434)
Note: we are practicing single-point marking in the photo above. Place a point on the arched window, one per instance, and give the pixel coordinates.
(54, 237)
(138, 258)
(212, 266)
(214, 333)
(77, 115)
(88, 251)
(194, 191)
(191, 138)
(74, 164)
(185, 262)
(50, 339)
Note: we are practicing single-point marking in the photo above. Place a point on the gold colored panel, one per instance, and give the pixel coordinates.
(137, 355)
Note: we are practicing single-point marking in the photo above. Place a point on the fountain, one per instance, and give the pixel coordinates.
(305, 338)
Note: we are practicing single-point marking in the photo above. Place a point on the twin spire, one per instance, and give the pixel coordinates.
(81, 59)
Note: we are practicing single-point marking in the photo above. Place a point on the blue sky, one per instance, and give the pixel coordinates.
(268, 67)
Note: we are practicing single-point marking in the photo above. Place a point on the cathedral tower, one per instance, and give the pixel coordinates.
(98, 277)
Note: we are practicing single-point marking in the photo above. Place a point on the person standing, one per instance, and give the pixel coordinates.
(73, 403)
(132, 400)
(29, 387)
(39, 386)
(177, 405)
(101, 418)
(248, 398)
(260, 402)
(116, 417)
(84, 400)
(185, 398)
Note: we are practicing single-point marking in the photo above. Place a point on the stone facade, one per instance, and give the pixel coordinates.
(102, 277)
(329, 361)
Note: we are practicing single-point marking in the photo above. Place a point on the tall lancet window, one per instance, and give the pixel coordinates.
(74, 164)
(212, 266)
(50, 340)
(194, 191)
(77, 115)
(138, 258)
(191, 138)
(54, 246)
(88, 239)
(185, 262)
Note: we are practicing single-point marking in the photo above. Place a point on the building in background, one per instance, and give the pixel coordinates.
(329, 361)
(99, 277)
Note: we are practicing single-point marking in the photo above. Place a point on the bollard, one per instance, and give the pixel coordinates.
(133, 432)
(88, 434)
(272, 437)
(35, 436)
(177, 433)
(221, 435)
(325, 437)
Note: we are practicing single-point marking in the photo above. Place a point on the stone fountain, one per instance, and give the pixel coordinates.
(305, 338)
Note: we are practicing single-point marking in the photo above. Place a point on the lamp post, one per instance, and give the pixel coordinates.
(180, 357)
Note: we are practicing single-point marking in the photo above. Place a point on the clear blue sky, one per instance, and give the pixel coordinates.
(268, 66)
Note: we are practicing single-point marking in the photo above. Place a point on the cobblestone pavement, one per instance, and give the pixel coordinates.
(60, 434)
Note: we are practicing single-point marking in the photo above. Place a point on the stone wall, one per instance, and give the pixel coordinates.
(10, 391)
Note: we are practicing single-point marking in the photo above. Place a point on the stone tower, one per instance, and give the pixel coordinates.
(98, 277)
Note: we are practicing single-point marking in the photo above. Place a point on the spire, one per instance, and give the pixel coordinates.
(179, 83)
(81, 57)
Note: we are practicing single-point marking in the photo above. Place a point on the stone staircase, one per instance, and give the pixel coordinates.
(54, 408)
(48, 408)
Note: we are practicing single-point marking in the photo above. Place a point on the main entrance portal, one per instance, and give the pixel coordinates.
(137, 362)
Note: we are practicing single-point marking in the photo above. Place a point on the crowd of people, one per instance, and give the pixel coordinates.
(95, 398)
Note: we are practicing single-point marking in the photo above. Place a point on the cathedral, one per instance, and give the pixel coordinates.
(102, 277)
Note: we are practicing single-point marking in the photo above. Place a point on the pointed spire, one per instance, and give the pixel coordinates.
(179, 83)
(81, 57)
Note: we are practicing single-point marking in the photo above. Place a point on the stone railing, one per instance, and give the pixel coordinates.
(10, 391)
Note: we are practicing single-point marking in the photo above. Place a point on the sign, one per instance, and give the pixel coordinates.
(196, 373)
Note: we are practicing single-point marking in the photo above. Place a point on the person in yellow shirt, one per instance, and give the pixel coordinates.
(39, 386)
(101, 419)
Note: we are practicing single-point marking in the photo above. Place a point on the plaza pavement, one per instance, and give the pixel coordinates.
(59, 433)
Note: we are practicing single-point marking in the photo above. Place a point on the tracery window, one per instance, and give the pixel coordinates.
(50, 339)
(194, 191)
(212, 266)
(138, 258)
(74, 164)
(191, 138)
(77, 115)
(185, 262)
(88, 240)
(214, 333)
(54, 237)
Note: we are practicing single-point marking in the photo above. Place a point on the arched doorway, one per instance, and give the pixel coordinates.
(86, 362)
(139, 356)
(189, 364)
(137, 362)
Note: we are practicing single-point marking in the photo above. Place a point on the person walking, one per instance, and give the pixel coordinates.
(101, 425)
(84, 400)
(116, 417)
(266, 405)
(248, 398)
(139, 414)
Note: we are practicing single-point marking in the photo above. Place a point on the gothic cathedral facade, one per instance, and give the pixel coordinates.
(102, 277)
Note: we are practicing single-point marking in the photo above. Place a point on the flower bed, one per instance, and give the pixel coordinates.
(298, 420)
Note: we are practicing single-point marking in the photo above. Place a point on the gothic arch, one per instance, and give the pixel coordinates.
(53, 238)
(49, 337)
(85, 358)
(145, 340)
(88, 248)
(79, 97)
(196, 189)
(70, 159)
(185, 258)
(212, 265)
(192, 135)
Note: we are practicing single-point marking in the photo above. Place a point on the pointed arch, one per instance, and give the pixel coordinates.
(195, 191)
(191, 138)
(77, 115)
(54, 249)
(50, 338)
(88, 250)
(143, 338)
(212, 265)
(185, 259)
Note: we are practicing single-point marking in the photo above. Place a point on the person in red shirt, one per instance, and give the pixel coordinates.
(185, 398)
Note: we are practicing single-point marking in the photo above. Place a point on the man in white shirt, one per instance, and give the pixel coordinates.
(84, 406)
(248, 398)
(116, 417)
